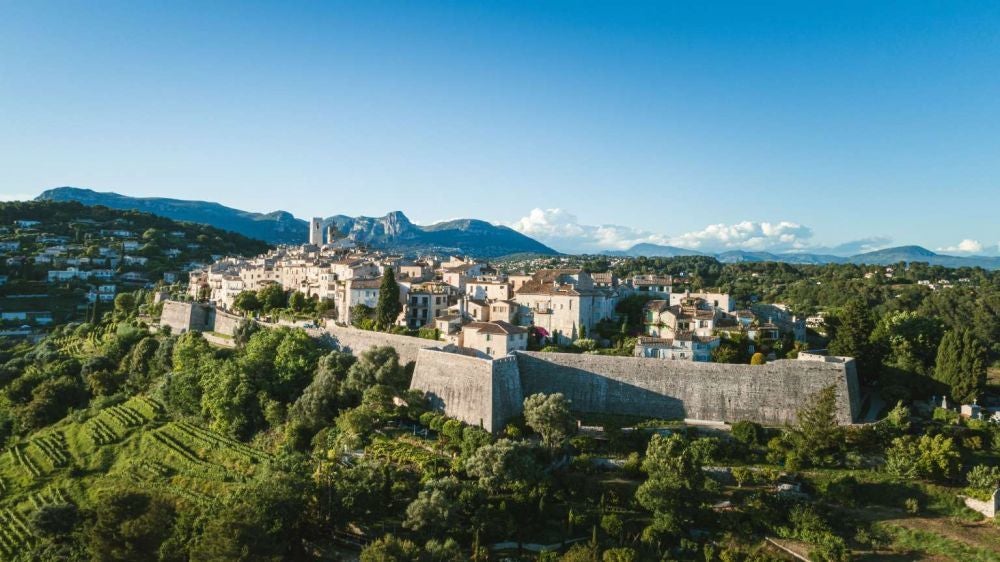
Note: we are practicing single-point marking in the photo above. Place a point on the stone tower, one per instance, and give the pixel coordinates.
(316, 231)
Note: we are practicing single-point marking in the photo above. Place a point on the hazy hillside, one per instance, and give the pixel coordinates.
(877, 257)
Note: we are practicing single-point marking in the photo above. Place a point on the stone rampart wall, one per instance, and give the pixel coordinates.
(224, 322)
(769, 394)
(460, 385)
(508, 397)
(361, 340)
(184, 316)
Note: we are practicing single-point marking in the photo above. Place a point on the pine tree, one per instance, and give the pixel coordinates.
(818, 437)
(388, 307)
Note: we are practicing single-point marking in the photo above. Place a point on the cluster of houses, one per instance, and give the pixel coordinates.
(473, 305)
(690, 325)
(109, 259)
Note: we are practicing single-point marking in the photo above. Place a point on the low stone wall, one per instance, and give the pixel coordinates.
(989, 508)
(768, 394)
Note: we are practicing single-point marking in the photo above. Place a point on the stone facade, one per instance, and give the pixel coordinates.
(185, 316)
(477, 391)
(769, 394)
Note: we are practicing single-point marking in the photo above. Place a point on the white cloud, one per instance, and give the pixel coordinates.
(747, 235)
(561, 229)
(968, 246)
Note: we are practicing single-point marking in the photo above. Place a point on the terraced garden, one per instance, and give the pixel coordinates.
(128, 444)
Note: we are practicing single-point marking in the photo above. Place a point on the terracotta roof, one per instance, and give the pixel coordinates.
(496, 327)
(604, 277)
(639, 281)
(650, 340)
(366, 283)
(657, 305)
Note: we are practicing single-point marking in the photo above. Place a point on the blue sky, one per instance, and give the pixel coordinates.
(776, 126)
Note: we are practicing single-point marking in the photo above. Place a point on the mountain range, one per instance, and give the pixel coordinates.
(393, 232)
(884, 256)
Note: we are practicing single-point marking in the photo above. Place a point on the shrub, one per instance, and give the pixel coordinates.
(983, 481)
(748, 432)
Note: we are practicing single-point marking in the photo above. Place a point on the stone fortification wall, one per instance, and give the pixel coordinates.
(508, 398)
(184, 316)
(361, 340)
(477, 391)
(223, 322)
(769, 394)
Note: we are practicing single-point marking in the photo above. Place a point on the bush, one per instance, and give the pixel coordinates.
(945, 416)
(983, 481)
(452, 431)
(747, 432)
(929, 457)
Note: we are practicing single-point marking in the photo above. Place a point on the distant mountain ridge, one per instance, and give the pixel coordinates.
(394, 232)
(278, 227)
(884, 256)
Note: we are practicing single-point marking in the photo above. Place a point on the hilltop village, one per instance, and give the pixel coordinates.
(474, 305)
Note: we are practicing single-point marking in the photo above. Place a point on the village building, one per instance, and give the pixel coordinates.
(494, 339)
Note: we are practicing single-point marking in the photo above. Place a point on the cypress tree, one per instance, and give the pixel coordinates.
(852, 337)
(961, 364)
(972, 369)
(948, 361)
(388, 307)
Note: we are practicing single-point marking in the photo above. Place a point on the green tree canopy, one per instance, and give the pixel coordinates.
(549, 415)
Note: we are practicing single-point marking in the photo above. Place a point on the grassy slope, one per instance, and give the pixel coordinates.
(129, 444)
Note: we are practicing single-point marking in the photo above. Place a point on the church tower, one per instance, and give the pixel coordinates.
(316, 231)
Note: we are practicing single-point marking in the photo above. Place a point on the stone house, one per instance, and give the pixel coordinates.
(661, 319)
(684, 347)
(494, 339)
(562, 303)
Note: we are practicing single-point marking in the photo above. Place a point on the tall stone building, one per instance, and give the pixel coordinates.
(316, 231)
